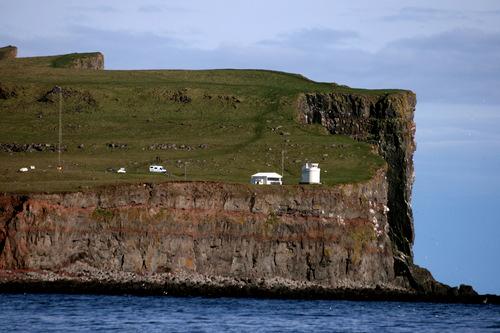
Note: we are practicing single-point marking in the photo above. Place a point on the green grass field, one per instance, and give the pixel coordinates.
(243, 119)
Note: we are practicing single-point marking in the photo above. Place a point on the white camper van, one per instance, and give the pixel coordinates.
(266, 178)
(157, 169)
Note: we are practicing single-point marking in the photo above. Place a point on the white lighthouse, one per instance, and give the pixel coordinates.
(311, 173)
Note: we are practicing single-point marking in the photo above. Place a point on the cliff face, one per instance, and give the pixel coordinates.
(387, 122)
(331, 237)
(94, 62)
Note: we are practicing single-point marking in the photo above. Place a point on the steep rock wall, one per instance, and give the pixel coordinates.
(332, 237)
(387, 122)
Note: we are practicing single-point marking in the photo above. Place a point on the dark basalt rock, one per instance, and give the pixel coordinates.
(29, 147)
(387, 122)
(8, 91)
(168, 285)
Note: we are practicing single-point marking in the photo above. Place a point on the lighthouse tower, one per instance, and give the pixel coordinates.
(311, 173)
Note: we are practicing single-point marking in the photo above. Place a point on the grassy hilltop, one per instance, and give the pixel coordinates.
(223, 125)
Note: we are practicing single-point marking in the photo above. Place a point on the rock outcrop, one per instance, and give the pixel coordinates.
(8, 91)
(75, 100)
(329, 237)
(387, 122)
(92, 61)
(29, 147)
(8, 52)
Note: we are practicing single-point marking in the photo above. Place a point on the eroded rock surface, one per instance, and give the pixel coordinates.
(387, 122)
(330, 237)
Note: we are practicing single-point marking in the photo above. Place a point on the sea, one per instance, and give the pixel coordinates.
(89, 313)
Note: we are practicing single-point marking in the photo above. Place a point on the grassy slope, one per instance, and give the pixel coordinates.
(134, 107)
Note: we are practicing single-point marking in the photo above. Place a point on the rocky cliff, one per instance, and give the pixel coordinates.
(387, 122)
(220, 237)
(199, 238)
(329, 237)
(92, 61)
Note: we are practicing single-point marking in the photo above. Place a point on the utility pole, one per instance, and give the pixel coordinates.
(59, 164)
(282, 162)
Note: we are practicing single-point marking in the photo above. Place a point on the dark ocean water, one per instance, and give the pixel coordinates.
(69, 313)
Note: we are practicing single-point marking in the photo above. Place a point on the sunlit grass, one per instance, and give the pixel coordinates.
(243, 118)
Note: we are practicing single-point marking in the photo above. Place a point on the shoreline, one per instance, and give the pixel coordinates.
(215, 287)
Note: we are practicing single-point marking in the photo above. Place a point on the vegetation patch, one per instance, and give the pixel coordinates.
(272, 219)
(102, 215)
(359, 236)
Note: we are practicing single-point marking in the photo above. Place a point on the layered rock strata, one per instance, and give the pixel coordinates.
(332, 237)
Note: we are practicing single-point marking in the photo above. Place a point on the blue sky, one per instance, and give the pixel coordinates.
(447, 51)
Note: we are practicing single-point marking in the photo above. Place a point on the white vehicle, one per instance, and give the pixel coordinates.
(266, 178)
(23, 170)
(121, 170)
(157, 169)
